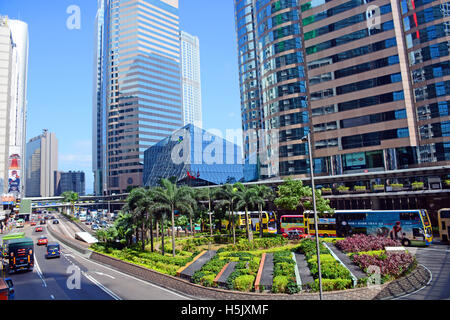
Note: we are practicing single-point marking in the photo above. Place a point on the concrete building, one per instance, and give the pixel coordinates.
(191, 79)
(137, 99)
(70, 181)
(41, 164)
(13, 83)
(6, 58)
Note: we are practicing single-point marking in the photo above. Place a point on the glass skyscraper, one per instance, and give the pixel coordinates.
(137, 96)
(367, 78)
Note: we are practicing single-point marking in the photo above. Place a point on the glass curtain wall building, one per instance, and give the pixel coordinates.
(366, 77)
(138, 87)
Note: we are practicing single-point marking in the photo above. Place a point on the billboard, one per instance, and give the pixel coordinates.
(14, 174)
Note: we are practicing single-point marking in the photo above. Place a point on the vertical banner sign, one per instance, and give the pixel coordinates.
(14, 174)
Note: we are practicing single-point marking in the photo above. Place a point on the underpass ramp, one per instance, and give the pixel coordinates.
(85, 237)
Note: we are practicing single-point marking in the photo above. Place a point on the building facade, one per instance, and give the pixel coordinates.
(367, 79)
(191, 79)
(13, 100)
(70, 181)
(41, 165)
(138, 89)
(6, 58)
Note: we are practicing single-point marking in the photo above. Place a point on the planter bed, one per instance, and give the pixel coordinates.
(334, 275)
(368, 252)
(284, 279)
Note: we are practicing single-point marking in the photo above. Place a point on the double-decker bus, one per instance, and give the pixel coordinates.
(411, 227)
(269, 221)
(293, 222)
(326, 227)
(444, 224)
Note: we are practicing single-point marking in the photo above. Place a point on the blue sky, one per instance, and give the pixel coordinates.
(61, 70)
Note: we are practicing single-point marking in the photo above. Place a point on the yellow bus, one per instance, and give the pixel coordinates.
(269, 221)
(444, 224)
(326, 227)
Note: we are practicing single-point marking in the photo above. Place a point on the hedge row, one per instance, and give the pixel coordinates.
(334, 275)
(284, 280)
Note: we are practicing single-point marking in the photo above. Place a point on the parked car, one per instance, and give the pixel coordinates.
(39, 229)
(95, 227)
(43, 222)
(55, 221)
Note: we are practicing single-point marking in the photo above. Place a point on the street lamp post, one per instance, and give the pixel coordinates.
(311, 165)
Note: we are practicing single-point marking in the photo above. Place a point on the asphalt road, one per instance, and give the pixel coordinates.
(73, 277)
(437, 260)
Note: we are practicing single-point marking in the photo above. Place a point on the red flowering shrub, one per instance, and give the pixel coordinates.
(392, 265)
(361, 243)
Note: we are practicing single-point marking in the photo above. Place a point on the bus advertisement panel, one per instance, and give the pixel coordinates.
(411, 227)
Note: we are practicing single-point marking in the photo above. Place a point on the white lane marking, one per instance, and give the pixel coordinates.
(137, 279)
(65, 229)
(431, 249)
(98, 284)
(431, 279)
(39, 272)
(104, 274)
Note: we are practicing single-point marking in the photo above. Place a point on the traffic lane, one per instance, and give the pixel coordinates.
(129, 287)
(68, 279)
(437, 260)
(56, 279)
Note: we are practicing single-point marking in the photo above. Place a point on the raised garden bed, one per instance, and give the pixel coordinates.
(368, 252)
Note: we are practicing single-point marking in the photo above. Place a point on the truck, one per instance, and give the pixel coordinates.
(18, 253)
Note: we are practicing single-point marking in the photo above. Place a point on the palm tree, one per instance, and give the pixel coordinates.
(208, 194)
(247, 198)
(72, 197)
(227, 196)
(124, 226)
(264, 193)
(169, 197)
(139, 201)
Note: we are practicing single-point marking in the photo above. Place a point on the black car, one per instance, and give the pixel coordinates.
(53, 250)
(43, 222)
(55, 221)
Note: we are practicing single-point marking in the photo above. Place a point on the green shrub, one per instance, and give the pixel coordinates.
(244, 283)
(208, 280)
(332, 284)
(280, 284)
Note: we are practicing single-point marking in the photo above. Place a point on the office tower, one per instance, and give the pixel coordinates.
(138, 87)
(191, 79)
(18, 107)
(14, 56)
(99, 127)
(273, 84)
(70, 181)
(6, 58)
(41, 165)
(367, 78)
